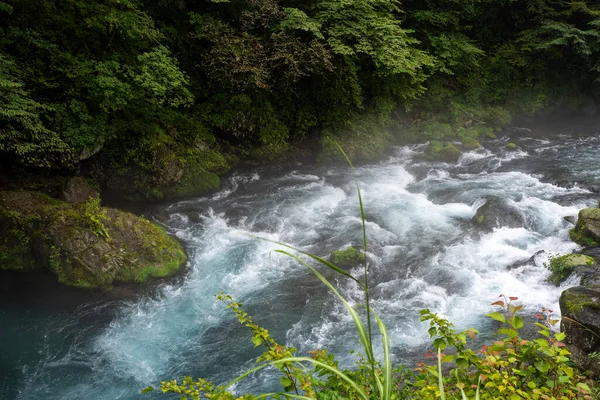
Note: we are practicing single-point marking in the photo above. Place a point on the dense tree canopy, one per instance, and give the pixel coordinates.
(124, 77)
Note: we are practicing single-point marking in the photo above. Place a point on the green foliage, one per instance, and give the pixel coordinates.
(511, 368)
(94, 216)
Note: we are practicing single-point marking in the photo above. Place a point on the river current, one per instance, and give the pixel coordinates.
(424, 251)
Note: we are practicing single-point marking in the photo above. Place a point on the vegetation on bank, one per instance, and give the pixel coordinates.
(149, 95)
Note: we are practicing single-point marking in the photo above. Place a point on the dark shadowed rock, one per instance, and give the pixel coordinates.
(593, 252)
(529, 261)
(78, 190)
(570, 219)
(580, 309)
(495, 214)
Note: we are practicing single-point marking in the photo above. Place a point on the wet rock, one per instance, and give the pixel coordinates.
(348, 258)
(78, 190)
(593, 252)
(495, 214)
(589, 274)
(570, 219)
(530, 261)
(580, 309)
(562, 267)
(470, 143)
(442, 152)
(84, 244)
(587, 229)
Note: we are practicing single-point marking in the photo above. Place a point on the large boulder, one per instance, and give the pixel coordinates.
(495, 214)
(580, 309)
(587, 229)
(83, 244)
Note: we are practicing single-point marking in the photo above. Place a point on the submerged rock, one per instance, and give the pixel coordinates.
(350, 257)
(495, 214)
(84, 245)
(587, 229)
(580, 309)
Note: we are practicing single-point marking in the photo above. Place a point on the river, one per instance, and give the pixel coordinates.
(424, 251)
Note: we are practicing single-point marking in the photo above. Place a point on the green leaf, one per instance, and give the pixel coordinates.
(497, 316)
(560, 336)
(257, 341)
(439, 344)
(542, 366)
(148, 389)
(511, 333)
(517, 322)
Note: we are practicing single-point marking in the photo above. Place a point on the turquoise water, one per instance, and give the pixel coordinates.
(424, 252)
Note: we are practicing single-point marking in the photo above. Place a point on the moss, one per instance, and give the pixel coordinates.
(480, 219)
(349, 257)
(447, 152)
(510, 146)
(578, 236)
(470, 143)
(562, 267)
(573, 302)
(586, 231)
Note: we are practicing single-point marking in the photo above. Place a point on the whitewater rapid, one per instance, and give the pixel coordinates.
(424, 251)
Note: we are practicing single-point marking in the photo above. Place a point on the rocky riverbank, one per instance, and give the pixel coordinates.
(83, 243)
(580, 305)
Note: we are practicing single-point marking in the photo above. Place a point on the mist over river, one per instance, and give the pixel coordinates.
(424, 251)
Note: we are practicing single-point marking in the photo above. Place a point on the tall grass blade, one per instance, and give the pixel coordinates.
(440, 377)
(387, 363)
(360, 328)
(316, 258)
(331, 369)
(366, 267)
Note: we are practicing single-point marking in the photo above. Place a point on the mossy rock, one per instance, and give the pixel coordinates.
(562, 267)
(580, 310)
(470, 143)
(447, 152)
(587, 229)
(350, 257)
(85, 245)
(511, 146)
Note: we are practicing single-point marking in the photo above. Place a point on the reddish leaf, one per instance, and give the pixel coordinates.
(498, 303)
(513, 298)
